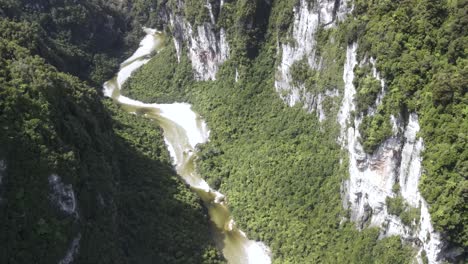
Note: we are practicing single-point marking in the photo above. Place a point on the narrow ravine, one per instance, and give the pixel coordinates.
(183, 130)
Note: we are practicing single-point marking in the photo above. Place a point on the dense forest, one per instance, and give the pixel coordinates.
(280, 167)
(259, 154)
(282, 175)
(131, 207)
(425, 64)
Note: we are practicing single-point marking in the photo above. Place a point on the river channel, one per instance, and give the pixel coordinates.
(183, 130)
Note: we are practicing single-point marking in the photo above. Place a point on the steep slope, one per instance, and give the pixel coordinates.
(81, 180)
(382, 189)
(385, 155)
(375, 179)
(300, 51)
(82, 39)
(338, 134)
(412, 61)
(285, 170)
(251, 125)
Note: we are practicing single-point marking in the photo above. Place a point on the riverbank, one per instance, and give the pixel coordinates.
(183, 130)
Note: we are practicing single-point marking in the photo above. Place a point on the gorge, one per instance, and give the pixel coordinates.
(183, 130)
(331, 131)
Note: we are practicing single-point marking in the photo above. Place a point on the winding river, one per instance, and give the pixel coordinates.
(183, 130)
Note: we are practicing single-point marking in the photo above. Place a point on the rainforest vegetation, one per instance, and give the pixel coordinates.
(421, 51)
(280, 167)
(132, 207)
(276, 168)
(254, 137)
(281, 174)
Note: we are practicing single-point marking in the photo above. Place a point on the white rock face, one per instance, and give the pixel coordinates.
(345, 7)
(63, 196)
(315, 102)
(307, 20)
(410, 173)
(372, 109)
(72, 251)
(347, 105)
(372, 177)
(210, 11)
(207, 48)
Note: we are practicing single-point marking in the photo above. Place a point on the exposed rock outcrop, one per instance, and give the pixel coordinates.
(63, 196)
(308, 18)
(391, 172)
(394, 169)
(207, 46)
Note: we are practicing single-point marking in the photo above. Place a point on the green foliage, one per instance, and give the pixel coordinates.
(177, 231)
(410, 214)
(399, 254)
(420, 47)
(162, 71)
(374, 130)
(132, 206)
(259, 154)
(86, 39)
(281, 173)
(283, 16)
(330, 48)
(301, 73)
(424, 257)
(324, 77)
(397, 206)
(143, 13)
(246, 23)
(367, 88)
(196, 11)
